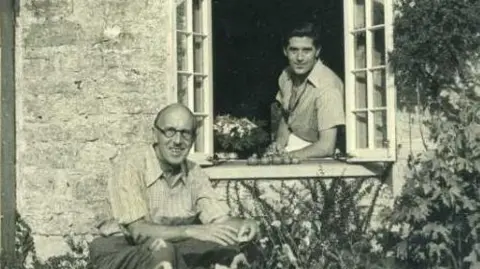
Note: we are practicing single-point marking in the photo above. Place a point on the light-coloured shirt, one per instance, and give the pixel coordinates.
(319, 104)
(139, 190)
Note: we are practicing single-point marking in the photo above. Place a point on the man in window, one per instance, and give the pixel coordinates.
(169, 214)
(311, 96)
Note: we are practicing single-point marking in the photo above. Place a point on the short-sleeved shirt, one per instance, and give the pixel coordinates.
(139, 190)
(320, 104)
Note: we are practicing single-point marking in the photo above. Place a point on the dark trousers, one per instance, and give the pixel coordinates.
(115, 252)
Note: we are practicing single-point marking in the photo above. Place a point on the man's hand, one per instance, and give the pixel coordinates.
(275, 148)
(220, 233)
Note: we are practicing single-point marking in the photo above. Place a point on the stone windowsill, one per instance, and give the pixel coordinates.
(319, 168)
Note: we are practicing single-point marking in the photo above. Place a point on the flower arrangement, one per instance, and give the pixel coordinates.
(238, 135)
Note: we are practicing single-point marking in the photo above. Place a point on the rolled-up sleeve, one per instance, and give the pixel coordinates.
(329, 108)
(208, 203)
(126, 191)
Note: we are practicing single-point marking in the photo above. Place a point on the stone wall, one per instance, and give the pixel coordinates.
(90, 76)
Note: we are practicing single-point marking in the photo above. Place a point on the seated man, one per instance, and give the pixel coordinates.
(157, 195)
(311, 96)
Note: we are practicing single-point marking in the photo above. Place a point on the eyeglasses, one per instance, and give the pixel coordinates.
(171, 132)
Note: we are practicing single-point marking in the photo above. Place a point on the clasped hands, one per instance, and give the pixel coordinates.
(225, 233)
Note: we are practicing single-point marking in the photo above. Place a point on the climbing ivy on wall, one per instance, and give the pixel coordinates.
(437, 44)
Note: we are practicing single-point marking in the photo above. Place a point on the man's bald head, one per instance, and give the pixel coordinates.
(175, 132)
(176, 110)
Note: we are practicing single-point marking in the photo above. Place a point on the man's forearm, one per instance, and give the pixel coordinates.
(324, 147)
(168, 233)
(315, 150)
(173, 233)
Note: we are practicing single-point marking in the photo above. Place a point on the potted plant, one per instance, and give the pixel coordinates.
(238, 137)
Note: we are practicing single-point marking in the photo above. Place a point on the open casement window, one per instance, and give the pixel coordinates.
(194, 68)
(369, 83)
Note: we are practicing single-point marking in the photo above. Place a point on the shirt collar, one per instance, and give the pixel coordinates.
(155, 172)
(315, 74)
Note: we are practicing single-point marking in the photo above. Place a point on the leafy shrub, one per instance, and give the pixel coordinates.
(435, 42)
(436, 60)
(312, 224)
(26, 256)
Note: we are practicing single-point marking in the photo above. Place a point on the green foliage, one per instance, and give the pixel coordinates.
(26, 256)
(239, 135)
(436, 60)
(312, 224)
(434, 42)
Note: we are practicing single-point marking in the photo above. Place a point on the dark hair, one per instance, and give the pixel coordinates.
(304, 29)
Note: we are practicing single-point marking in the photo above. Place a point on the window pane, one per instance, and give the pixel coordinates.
(378, 12)
(199, 107)
(360, 52)
(182, 49)
(182, 89)
(361, 90)
(380, 123)
(199, 92)
(197, 16)
(182, 15)
(378, 53)
(361, 120)
(359, 14)
(200, 139)
(379, 88)
(198, 43)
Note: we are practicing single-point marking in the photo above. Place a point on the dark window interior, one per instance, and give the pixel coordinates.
(247, 49)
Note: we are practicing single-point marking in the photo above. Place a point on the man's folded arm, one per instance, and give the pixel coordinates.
(330, 115)
(145, 229)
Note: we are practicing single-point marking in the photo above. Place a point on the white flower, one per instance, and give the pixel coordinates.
(276, 223)
(376, 247)
(296, 212)
(307, 225)
(306, 241)
(263, 242)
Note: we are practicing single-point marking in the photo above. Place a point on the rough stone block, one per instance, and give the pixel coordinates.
(131, 104)
(48, 155)
(69, 65)
(48, 246)
(129, 129)
(47, 9)
(90, 188)
(93, 212)
(97, 152)
(51, 34)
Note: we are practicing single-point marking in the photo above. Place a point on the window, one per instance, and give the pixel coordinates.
(369, 84)
(194, 68)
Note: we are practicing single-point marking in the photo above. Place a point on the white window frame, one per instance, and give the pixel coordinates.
(369, 154)
(205, 117)
(356, 154)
